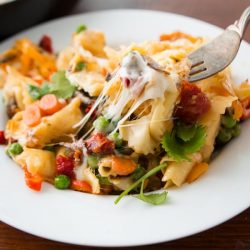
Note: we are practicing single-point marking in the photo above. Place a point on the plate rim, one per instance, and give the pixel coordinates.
(152, 241)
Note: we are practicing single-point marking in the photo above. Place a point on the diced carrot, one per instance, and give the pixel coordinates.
(83, 186)
(197, 171)
(238, 110)
(32, 115)
(34, 182)
(49, 104)
(123, 166)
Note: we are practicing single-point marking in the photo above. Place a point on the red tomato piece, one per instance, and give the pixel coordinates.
(2, 138)
(100, 144)
(34, 182)
(65, 165)
(193, 103)
(46, 44)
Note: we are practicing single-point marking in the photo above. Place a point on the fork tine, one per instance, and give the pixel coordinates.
(195, 58)
(196, 64)
(198, 69)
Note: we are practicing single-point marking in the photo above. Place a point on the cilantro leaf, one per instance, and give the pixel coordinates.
(154, 199)
(185, 132)
(35, 92)
(172, 147)
(198, 140)
(61, 86)
(143, 178)
(177, 148)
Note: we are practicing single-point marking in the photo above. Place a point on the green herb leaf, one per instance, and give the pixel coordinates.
(35, 92)
(173, 147)
(154, 199)
(197, 141)
(45, 89)
(143, 178)
(178, 149)
(61, 86)
(80, 66)
(185, 132)
(81, 28)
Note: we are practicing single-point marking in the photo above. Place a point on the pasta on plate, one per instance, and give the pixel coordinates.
(105, 120)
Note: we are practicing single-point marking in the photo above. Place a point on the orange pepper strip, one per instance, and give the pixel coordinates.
(238, 110)
(34, 182)
(83, 186)
(197, 171)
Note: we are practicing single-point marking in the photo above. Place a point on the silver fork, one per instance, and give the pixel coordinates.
(220, 52)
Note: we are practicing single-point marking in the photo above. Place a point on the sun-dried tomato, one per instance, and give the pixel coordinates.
(193, 103)
(46, 44)
(65, 165)
(100, 144)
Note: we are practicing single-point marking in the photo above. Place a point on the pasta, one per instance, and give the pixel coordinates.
(107, 120)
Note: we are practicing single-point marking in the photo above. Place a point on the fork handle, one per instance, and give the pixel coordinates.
(242, 23)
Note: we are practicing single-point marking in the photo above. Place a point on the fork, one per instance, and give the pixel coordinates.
(220, 52)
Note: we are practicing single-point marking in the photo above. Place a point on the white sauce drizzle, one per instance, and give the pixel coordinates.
(140, 83)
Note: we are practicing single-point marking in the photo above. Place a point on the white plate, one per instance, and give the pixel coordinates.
(85, 219)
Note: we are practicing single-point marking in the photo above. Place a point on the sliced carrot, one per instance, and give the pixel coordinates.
(123, 166)
(32, 115)
(49, 104)
(83, 186)
(238, 110)
(197, 171)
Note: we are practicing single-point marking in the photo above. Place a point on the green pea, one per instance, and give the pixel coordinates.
(101, 124)
(62, 181)
(236, 130)
(116, 138)
(224, 135)
(15, 149)
(93, 161)
(228, 121)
